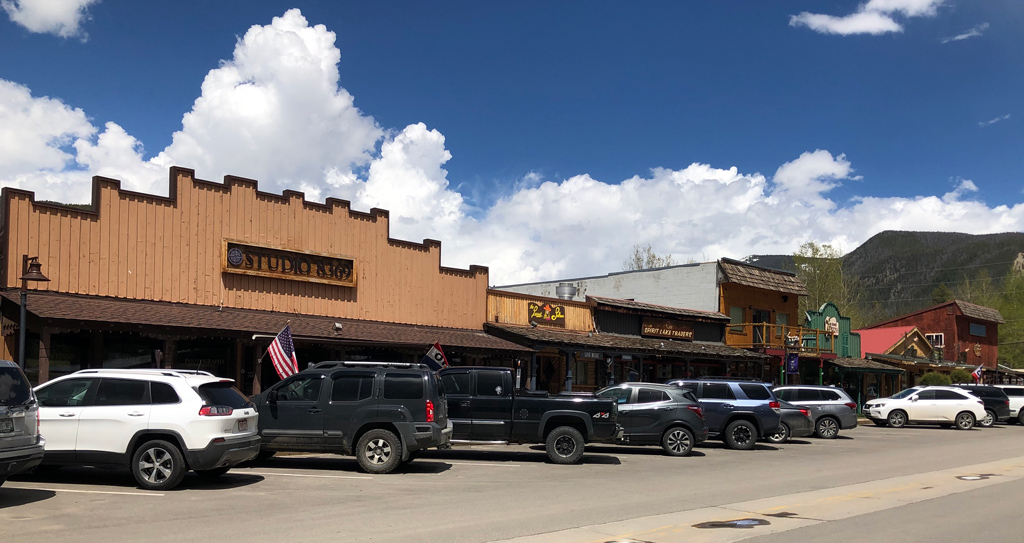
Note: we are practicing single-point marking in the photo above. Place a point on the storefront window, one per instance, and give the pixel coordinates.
(124, 351)
(210, 355)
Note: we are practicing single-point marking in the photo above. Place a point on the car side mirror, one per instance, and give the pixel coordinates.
(272, 397)
(913, 398)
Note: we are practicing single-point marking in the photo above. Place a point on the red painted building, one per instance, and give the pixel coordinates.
(958, 331)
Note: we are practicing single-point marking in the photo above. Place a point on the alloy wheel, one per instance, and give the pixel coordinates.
(827, 428)
(965, 421)
(678, 441)
(741, 435)
(565, 446)
(156, 465)
(378, 451)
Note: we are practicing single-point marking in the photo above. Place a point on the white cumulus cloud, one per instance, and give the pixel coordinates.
(58, 17)
(973, 32)
(874, 17)
(275, 112)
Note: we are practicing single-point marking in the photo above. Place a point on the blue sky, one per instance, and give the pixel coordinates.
(528, 108)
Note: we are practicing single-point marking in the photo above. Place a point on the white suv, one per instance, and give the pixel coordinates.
(158, 423)
(1016, 395)
(944, 406)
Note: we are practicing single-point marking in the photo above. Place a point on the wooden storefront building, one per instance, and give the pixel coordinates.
(584, 346)
(202, 277)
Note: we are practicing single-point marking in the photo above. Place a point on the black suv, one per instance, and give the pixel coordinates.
(21, 446)
(653, 414)
(997, 403)
(381, 412)
(740, 412)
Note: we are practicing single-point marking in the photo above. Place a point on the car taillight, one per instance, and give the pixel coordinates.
(805, 412)
(215, 411)
(775, 405)
(851, 405)
(1007, 402)
(430, 411)
(696, 409)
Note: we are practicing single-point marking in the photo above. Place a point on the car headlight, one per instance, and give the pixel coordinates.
(878, 405)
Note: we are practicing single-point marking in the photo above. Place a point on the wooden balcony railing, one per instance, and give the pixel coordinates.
(763, 335)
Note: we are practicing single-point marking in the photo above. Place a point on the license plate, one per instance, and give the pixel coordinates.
(243, 425)
(6, 426)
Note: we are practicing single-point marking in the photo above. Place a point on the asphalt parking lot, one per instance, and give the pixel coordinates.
(494, 493)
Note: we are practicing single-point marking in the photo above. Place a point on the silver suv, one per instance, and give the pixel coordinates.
(831, 408)
(21, 446)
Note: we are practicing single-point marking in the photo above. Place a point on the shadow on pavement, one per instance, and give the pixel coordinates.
(710, 444)
(653, 450)
(344, 465)
(73, 475)
(13, 497)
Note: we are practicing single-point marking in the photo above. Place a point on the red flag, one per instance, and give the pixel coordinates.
(282, 354)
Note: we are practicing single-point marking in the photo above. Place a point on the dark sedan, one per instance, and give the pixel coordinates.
(797, 421)
(653, 414)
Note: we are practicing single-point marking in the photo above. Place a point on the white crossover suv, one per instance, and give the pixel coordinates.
(158, 423)
(945, 406)
(1016, 395)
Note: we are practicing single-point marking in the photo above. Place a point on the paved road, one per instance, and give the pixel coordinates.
(871, 484)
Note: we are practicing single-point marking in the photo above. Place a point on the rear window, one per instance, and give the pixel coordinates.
(455, 383)
(1014, 391)
(830, 395)
(645, 395)
(14, 387)
(352, 387)
(945, 395)
(403, 386)
(223, 393)
(717, 391)
(163, 393)
(756, 392)
(121, 392)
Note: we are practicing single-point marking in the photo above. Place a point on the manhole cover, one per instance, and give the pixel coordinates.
(745, 523)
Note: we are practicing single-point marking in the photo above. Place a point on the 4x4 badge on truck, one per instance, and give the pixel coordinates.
(601, 415)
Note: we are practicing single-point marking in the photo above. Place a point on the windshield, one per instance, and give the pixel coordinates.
(904, 393)
(14, 388)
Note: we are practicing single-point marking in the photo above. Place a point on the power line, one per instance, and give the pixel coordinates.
(936, 269)
(939, 282)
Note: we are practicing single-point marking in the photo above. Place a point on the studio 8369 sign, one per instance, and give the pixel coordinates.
(262, 261)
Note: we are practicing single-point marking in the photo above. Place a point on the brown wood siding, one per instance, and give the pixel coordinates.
(511, 308)
(955, 327)
(750, 298)
(169, 249)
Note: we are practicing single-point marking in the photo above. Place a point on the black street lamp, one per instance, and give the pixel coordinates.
(30, 270)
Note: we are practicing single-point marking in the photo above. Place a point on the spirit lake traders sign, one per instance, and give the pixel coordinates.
(666, 328)
(262, 261)
(545, 313)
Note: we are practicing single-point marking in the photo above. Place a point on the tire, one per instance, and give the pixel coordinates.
(564, 445)
(897, 418)
(740, 435)
(989, 420)
(379, 451)
(1020, 416)
(677, 441)
(2, 480)
(158, 465)
(965, 421)
(212, 473)
(781, 435)
(826, 428)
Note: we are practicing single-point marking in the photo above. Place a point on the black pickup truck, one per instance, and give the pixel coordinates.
(485, 407)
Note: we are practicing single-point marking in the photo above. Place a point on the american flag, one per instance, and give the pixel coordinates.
(282, 354)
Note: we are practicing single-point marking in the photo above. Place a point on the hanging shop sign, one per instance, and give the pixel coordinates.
(264, 261)
(666, 328)
(545, 313)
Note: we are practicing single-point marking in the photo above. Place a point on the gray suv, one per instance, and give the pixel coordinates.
(740, 412)
(831, 408)
(21, 446)
(654, 414)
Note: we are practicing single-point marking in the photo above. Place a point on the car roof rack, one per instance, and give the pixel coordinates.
(168, 372)
(720, 378)
(368, 364)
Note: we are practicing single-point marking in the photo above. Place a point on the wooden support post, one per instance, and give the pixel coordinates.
(96, 357)
(170, 352)
(44, 356)
(239, 349)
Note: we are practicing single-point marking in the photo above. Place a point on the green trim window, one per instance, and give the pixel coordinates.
(736, 318)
